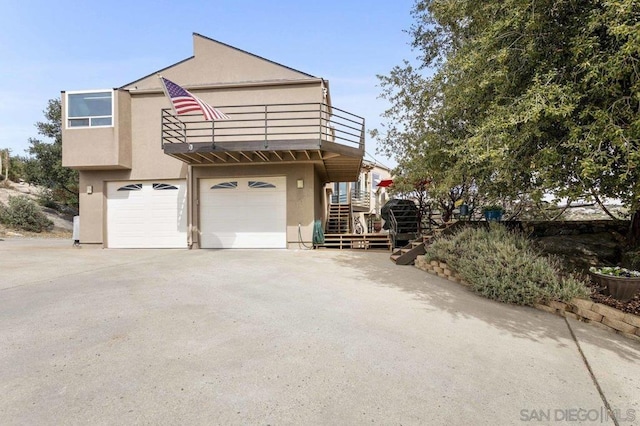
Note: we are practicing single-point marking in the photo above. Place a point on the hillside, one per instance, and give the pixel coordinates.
(62, 223)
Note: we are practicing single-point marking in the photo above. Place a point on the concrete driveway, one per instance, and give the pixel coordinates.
(93, 336)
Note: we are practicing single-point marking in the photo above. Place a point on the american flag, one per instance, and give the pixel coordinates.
(184, 102)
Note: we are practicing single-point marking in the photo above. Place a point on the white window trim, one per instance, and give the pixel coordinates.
(79, 92)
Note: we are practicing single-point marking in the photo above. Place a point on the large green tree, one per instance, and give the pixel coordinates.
(521, 98)
(44, 164)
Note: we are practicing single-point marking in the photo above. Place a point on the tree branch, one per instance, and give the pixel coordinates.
(595, 196)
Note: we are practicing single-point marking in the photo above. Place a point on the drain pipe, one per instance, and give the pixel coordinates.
(189, 207)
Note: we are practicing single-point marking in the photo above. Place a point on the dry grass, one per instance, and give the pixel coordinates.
(6, 232)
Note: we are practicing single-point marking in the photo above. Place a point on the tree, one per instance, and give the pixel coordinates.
(44, 166)
(4, 161)
(524, 98)
(16, 171)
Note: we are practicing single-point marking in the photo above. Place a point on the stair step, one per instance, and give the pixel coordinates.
(343, 240)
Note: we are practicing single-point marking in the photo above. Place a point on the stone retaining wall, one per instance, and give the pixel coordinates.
(543, 228)
(597, 314)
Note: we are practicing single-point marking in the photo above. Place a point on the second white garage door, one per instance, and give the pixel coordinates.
(243, 213)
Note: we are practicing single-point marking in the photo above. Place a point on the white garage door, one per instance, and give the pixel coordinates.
(147, 214)
(243, 213)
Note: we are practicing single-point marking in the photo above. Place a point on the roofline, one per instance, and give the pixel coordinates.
(376, 164)
(254, 55)
(155, 72)
(214, 86)
(224, 44)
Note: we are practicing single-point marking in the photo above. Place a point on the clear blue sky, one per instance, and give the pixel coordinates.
(50, 46)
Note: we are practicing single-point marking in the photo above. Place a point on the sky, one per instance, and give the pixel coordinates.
(50, 46)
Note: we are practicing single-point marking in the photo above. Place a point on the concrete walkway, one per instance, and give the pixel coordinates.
(93, 336)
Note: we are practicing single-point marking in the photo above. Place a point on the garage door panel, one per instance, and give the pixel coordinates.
(243, 213)
(244, 240)
(151, 216)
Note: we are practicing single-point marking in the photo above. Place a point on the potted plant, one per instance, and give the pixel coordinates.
(619, 283)
(493, 212)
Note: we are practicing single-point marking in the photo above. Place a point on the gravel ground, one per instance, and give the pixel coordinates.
(631, 307)
(14, 233)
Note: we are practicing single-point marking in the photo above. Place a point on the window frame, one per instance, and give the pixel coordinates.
(89, 126)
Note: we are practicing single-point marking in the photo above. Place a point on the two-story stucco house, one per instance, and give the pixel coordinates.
(151, 178)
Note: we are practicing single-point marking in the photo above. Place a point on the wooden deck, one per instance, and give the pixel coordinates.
(356, 242)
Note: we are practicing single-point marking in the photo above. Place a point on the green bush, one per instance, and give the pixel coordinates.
(631, 260)
(22, 213)
(46, 199)
(502, 265)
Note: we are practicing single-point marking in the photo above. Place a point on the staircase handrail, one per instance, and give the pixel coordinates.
(328, 217)
(393, 224)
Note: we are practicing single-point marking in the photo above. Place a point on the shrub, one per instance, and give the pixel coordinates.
(502, 265)
(631, 260)
(46, 199)
(23, 213)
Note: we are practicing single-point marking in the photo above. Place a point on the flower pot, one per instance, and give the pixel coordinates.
(621, 288)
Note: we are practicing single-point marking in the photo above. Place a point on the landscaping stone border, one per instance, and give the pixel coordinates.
(597, 314)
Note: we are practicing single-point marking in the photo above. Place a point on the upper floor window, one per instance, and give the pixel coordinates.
(90, 109)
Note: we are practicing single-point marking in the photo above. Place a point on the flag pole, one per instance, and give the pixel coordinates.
(164, 89)
(173, 107)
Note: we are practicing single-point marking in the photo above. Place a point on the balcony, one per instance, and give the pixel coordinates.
(360, 200)
(273, 133)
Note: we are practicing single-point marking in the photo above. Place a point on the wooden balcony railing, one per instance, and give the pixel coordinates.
(359, 198)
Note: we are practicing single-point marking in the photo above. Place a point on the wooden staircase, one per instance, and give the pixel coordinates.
(339, 232)
(407, 255)
(339, 219)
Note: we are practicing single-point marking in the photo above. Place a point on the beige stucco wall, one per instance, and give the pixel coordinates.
(99, 147)
(91, 208)
(320, 211)
(123, 127)
(155, 100)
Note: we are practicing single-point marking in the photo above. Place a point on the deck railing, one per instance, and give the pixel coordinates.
(359, 198)
(269, 122)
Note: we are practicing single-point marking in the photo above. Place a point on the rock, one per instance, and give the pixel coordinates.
(60, 220)
(14, 234)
